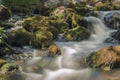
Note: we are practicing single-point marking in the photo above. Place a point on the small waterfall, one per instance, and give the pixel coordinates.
(97, 27)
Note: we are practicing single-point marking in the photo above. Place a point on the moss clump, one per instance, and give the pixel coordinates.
(41, 39)
(76, 34)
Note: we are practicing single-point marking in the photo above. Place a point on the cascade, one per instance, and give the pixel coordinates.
(68, 65)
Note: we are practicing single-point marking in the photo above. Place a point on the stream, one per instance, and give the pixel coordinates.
(69, 65)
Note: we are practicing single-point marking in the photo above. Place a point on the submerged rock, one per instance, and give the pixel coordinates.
(105, 59)
(4, 13)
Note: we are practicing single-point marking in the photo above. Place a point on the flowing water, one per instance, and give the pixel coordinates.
(68, 66)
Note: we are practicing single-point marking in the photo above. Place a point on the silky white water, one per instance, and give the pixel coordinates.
(69, 65)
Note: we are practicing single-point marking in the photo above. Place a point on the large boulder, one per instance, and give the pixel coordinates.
(105, 59)
(4, 13)
(113, 19)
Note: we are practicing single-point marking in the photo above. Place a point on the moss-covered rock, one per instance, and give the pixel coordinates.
(76, 34)
(8, 68)
(18, 37)
(2, 62)
(41, 39)
(105, 59)
(4, 13)
(54, 50)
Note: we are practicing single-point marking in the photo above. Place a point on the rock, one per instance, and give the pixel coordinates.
(4, 13)
(18, 37)
(116, 35)
(113, 20)
(105, 59)
(41, 39)
(76, 34)
(54, 50)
